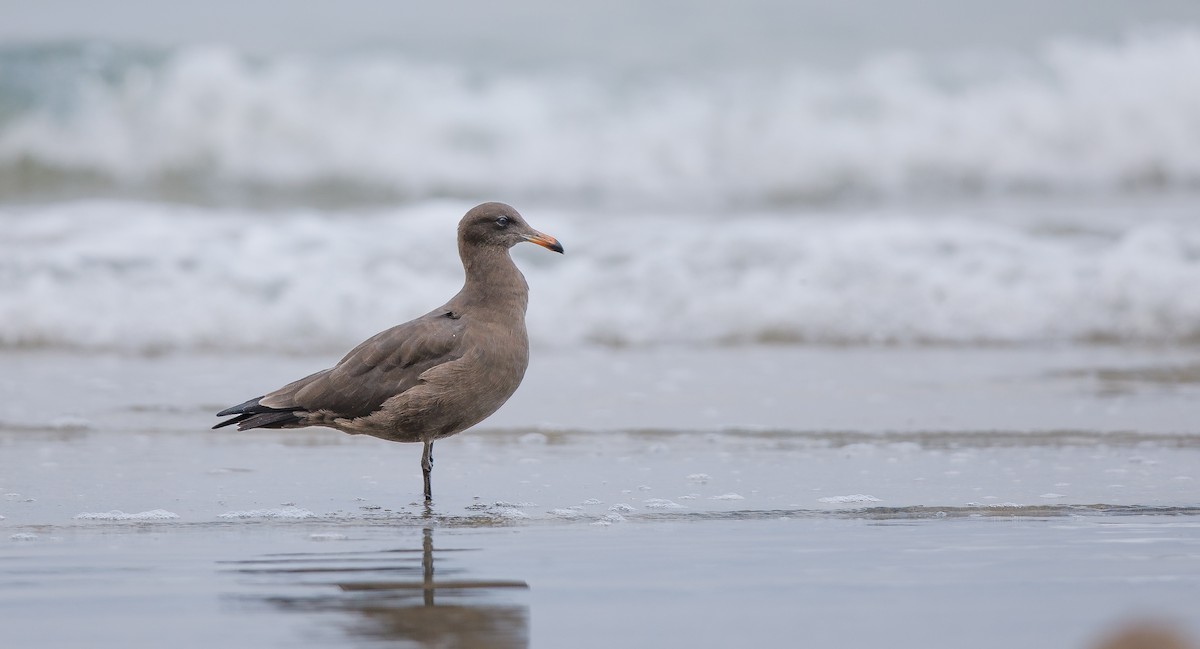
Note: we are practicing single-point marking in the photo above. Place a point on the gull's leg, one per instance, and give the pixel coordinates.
(427, 468)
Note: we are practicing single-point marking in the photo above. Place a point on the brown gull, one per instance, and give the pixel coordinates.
(436, 375)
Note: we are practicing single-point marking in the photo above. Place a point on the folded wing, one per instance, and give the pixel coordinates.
(383, 366)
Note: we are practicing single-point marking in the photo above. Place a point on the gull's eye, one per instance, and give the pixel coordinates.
(502, 222)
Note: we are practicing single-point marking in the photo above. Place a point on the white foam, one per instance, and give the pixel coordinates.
(502, 504)
(118, 515)
(330, 536)
(609, 519)
(661, 503)
(893, 277)
(893, 125)
(509, 512)
(853, 498)
(728, 496)
(622, 508)
(281, 513)
(23, 537)
(565, 513)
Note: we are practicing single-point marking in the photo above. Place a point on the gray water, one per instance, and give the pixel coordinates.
(1067, 578)
(625, 35)
(127, 524)
(874, 328)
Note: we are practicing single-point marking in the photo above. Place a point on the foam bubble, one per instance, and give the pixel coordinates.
(609, 519)
(281, 513)
(118, 515)
(661, 503)
(509, 512)
(853, 498)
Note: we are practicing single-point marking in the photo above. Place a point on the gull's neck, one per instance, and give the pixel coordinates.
(492, 278)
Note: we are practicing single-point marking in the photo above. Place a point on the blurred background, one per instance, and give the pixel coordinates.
(891, 297)
(231, 175)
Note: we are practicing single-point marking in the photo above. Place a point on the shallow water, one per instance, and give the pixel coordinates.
(987, 582)
(873, 330)
(583, 522)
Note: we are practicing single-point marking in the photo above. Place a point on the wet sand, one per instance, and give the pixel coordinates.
(737, 497)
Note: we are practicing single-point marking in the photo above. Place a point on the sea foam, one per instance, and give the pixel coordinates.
(847, 500)
(207, 118)
(279, 513)
(117, 515)
(137, 276)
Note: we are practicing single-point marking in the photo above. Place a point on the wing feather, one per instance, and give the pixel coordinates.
(383, 366)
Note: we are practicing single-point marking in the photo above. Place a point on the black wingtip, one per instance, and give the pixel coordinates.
(269, 419)
(243, 411)
(229, 422)
(240, 409)
(252, 414)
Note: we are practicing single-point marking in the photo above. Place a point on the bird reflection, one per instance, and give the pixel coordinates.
(393, 598)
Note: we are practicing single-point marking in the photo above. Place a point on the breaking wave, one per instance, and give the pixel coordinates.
(145, 276)
(213, 123)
